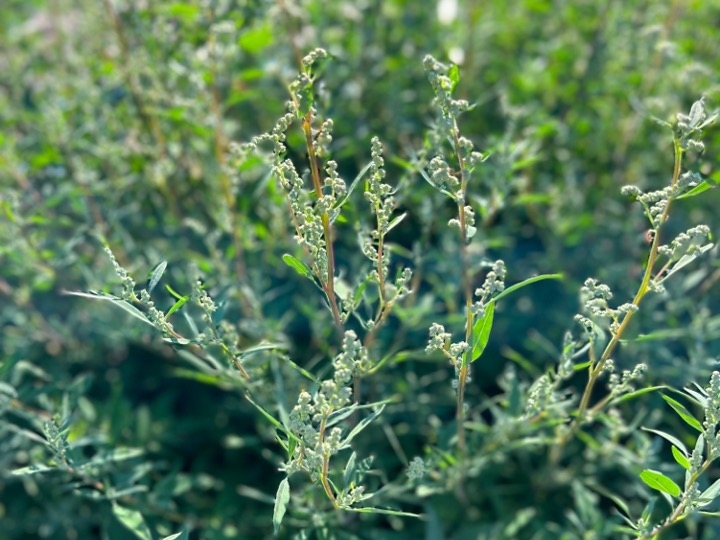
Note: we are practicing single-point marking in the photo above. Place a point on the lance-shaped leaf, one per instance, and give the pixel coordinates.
(282, 498)
(481, 331)
(155, 275)
(297, 265)
(660, 482)
(683, 412)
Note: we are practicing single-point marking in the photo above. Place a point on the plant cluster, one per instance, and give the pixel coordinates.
(255, 287)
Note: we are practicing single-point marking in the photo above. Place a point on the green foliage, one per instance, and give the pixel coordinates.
(253, 266)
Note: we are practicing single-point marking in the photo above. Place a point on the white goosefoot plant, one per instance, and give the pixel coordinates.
(327, 416)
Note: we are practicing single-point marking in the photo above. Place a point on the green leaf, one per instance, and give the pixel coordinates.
(700, 188)
(685, 260)
(355, 183)
(636, 393)
(662, 334)
(683, 412)
(710, 494)
(679, 451)
(256, 39)
(133, 521)
(481, 331)
(177, 305)
(681, 459)
(430, 181)
(204, 378)
(361, 425)
(114, 456)
(648, 510)
(621, 504)
(386, 511)
(175, 293)
(350, 469)
(297, 265)
(360, 290)
(282, 498)
(660, 482)
(260, 347)
(33, 469)
(341, 414)
(395, 222)
(155, 275)
(123, 304)
(8, 210)
(179, 341)
(181, 10)
(528, 281)
(454, 75)
(673, 440)
(270, 418)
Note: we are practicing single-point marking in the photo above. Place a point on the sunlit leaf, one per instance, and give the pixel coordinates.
(481, 331)
(660, 482)
(683, 412)
(296, 265)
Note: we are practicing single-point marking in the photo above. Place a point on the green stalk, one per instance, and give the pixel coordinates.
(597, 367)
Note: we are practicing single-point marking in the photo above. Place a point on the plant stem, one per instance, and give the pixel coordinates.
(597, 367)
(326, 465)
(680, 508)
(329, 281)
(467, 289)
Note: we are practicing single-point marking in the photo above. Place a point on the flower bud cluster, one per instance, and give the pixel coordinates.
(323, 138)
(688, 127)
(444, 178)
(494, 284)
(440, 341)
(712, 416)
(416, 469)
(337, 185)
(687, 243)
(127, 281)
(594, 296)
(469, 215)
(442, 86)
(56, 436)
(544, 392)
(311, 412)
(622, 384)
(382, 204)
(310, 59)
(539, 396)
(654, 202)
(378, 193)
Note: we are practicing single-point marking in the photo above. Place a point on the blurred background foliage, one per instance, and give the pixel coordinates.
(117, 122)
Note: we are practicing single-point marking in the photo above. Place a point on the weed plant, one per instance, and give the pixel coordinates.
(254, 291)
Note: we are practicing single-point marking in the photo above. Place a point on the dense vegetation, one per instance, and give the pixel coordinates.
(359, 269)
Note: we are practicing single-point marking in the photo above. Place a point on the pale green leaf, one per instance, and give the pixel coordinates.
(156, 275)
(673, 440)
(282, 498)
(132, 520)
(528, 281)
(710, 494)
